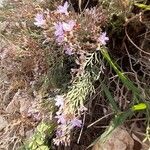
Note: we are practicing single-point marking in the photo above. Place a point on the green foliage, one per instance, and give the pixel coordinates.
(38, 141)
(59, 65)
(116, 25)
(143, 6)
(81, 88)
(118, 7)
(110, 98)
(141, 106)
(129, 84)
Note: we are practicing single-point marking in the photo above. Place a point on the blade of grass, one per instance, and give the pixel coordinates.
(110, 97)
(120, 74)
(143, 6)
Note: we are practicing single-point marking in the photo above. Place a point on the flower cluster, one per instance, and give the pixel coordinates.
(71, 32)
(66, 122)
(63, 30)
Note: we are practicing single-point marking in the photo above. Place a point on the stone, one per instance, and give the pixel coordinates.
(119, 139)
(20, 103)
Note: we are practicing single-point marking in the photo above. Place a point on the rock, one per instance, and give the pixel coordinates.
(20, 103)
(25, 104)
(119, 139)
(3, 123)
(13, 106)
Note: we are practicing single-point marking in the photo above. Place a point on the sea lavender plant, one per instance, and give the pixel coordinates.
(75, 122)
(68, 117)
(73, 34)
(64, 32)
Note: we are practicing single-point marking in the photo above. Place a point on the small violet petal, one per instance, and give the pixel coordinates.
(59, 29)
(63, 9)
(61, 119)
(103, 39)
(60, 39)
(39, 20)
(69, 51)
(59, 101)
(68, 26)
(76, 122)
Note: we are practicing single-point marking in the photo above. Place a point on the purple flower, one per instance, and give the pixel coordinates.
(68, 26)
(60, 39)
(59, 29)
(59, 33)
(61, 119)
(68, 51)
(59, 133)
(39, 20)
(59, 101)
(103, 39)
(63, 9)
(76, 122)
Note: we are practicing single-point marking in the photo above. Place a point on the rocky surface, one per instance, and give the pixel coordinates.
(119, 139)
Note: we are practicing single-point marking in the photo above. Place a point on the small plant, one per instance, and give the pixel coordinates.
(38, 141)
(63, 59)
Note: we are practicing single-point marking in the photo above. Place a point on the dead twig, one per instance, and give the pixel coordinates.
(99, 120)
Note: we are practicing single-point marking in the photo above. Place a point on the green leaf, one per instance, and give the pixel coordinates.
(146, 7)
(42, 127)
(30, 144)
(34, 146)
(141, 106)
(121, 118)
(110, 97)
(43, 148)
(39, 140)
